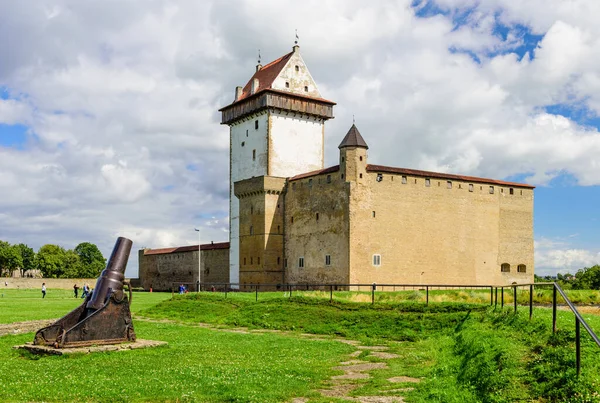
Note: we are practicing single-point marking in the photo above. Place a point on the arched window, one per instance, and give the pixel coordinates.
(505, 268)
(521, 268)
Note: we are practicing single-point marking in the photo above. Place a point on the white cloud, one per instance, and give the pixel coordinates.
(123, 98)
(559, 256)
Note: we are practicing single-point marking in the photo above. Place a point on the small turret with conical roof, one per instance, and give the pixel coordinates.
(353, 156)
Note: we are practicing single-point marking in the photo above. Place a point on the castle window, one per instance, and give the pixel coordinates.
(256, 124)
(317, 216)
(277, 205)
(244, 261)
(449, 184)
(439, 183)
(293, 185)
(404, 180)
(427, 182)
(287, 84)
(460, 186)
(360, 158)
(377, 260)
(297, 68)
(491, 190)
(511, 191)
(251, 209)
(521, 192)
(258, 260)
(251, 230)
(327, 260)
(342, 159)
(306, 88)
(360, 176)
(251, 260)
(480, 187)
(253, 155)
(300, 262)
(285, 263)
(310, 183)
(243, 143)
(278, 259)
(379, 177)
(246, 133)
(521, 268)
(501, 190)
(292, 219)
(373, 213)
(415, 181)
(505, 268)
(342, 176)
(328, 178)
(278, 229)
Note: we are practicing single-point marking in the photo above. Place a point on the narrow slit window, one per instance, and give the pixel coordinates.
(427, 182)
(317, 216)
(404, 180)
(360, 175)
(278, 229)
(376, 260)
(511, 191)
(373, 213)
(470, 187)
(297, 68)
(256, 125)
(278, 259)
(253, 155)
(305, 88)
(300, 262)
(327, 260)
(251, 230)
(287, 84)
(491, 190)
(449, 184)
(243, 143)
(310, 183)
(258, 260)
(244, 261)
(285, 263)
(251, 260)
(328, 178)
(292, 219)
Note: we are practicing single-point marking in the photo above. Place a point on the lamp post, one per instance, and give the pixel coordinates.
(199, 260)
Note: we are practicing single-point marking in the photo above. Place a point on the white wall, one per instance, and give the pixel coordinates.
(244, 167)
(297, 80)
(296, 145)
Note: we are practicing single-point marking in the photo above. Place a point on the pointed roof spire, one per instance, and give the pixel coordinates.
(353, 139)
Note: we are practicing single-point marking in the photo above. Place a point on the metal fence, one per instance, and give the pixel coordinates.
(288, 289)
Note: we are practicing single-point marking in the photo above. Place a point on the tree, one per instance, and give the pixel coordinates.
(72, 265)
(28, 257)
(92, 261)
(50, 260)
(10, 258)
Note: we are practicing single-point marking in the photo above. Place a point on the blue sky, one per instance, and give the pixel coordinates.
(501, 89)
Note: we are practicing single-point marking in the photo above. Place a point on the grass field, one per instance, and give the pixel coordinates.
(463, 352)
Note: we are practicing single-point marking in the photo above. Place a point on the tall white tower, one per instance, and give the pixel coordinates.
(277, 128)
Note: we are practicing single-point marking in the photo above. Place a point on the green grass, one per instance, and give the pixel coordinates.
(198, 365)
(461, 351)
(22, 305)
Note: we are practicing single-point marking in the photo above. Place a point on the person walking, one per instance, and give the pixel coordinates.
(75, 290)
(43, 290)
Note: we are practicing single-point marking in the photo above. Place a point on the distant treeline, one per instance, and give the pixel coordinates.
(53, 261)
(587, 278)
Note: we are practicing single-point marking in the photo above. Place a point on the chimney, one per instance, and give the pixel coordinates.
(296, 48)
(258, 66)
(254, 86)
(238, 93)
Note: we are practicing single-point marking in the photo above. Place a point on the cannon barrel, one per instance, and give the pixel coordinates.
(111, 279)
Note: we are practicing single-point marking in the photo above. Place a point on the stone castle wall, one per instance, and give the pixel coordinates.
(165, 271)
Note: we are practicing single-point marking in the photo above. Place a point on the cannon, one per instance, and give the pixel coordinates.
(104, 317)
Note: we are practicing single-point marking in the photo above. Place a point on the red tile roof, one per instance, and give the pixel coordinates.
(334, 168)
(191, 248)
(415, 172)
(266, 75)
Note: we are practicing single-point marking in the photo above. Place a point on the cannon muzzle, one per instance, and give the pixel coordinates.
(111, 279)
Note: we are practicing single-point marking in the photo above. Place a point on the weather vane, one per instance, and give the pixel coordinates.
(258, 56)
(353, 119)
(296, 41)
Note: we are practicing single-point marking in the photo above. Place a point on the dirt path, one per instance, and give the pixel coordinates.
(24, 327)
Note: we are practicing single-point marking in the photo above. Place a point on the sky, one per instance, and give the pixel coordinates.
(109, 124)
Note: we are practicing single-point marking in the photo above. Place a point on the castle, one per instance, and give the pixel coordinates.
(294, 221)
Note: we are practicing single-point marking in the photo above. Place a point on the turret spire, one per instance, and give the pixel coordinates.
(353, 138)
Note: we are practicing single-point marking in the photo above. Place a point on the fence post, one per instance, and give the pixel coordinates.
(373, 294)
(256, 292)
(553, 309)
(530, 301)
(427, 295)
(502, 297)
(330, 294)
(578, 345)
(515, 297)
(491, 296)
(496, 299)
